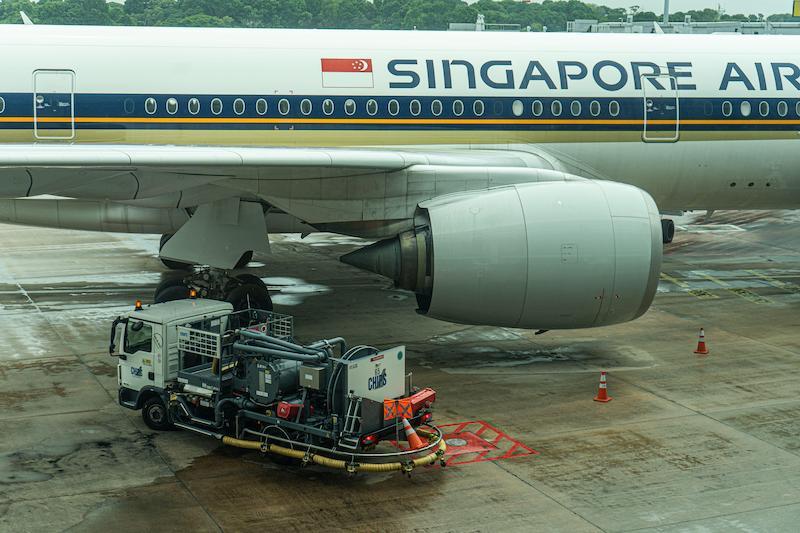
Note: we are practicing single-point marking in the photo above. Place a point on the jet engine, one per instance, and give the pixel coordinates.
(548, 255)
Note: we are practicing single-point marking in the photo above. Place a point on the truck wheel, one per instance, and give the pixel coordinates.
(155, 414)
(170, 294)
(169, 263)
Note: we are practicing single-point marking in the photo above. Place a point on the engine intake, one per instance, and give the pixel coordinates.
(550, 255)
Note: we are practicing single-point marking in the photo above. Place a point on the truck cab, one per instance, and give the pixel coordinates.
(146, 342)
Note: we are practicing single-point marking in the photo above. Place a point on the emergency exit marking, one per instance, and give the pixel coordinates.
(478, 441)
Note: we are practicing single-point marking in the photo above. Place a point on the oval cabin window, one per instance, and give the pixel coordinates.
(261, 106)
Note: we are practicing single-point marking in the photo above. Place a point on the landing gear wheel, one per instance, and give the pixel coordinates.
(172, 293)
(246, 258)
(250, 295)
(169, 263)
(667, 230)
(166, 284)
(155, 415)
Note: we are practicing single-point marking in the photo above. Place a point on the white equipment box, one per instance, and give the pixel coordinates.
(380, 376)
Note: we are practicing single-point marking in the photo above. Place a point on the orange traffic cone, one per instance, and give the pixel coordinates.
(414, 442)
(702, 349)
(602, 391)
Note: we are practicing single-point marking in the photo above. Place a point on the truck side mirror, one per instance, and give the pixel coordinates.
(114, 334)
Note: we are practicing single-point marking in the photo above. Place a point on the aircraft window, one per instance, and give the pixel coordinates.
(194, 106)
(746, 109)
(327, 106)
(216, 106)
(129, 105)
(415, 107)
(151, 106)
(613, 108)
(2, 104)
(477, 108)
(172, 106)
(537, 108)
(727, 109)
(594, 108)
(517, 108)
(436, 107)
(783, 109)
(556, 108)
(306, 107)
(498, 108)
(797, 109)
(261, 106)
(350, 106)
(238, 106)
(283, 106)
(763, 108)
(394, 107)
(458, 108)
(372, 107)
(575, 108)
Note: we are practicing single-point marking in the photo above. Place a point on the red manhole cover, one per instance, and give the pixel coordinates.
(478, 441)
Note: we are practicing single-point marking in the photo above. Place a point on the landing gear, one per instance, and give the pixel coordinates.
(667, 230)
(243, 291)
(179, 265)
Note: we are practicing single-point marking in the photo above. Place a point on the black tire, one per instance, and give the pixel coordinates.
(250, 295)
(246, 258)
(667, 230)
(170, 294)
(169, 263)
(155, 414)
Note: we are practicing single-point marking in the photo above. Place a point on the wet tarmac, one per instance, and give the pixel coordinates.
(688, 444)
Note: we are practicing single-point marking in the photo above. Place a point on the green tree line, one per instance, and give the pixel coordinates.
(356, 14)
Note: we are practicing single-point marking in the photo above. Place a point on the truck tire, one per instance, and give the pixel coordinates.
(155, 414)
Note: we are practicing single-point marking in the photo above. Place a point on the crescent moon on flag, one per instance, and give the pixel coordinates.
(362, 65)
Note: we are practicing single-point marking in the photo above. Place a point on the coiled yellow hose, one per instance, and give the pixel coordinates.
(340, 464)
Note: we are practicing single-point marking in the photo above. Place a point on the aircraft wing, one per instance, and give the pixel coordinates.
(359, 191)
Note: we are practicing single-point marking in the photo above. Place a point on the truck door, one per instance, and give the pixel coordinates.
(139, 345)
(661, 109)
(54, 104)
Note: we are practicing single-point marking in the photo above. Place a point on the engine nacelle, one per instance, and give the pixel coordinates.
(550, 255)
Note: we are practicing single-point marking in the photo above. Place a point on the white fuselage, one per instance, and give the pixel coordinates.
(704, 122)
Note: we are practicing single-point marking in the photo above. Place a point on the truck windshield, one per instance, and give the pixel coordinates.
(138, 337)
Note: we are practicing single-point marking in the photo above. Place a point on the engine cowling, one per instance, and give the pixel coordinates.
(550, 255)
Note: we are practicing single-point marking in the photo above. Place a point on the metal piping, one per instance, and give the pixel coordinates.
(303, 358)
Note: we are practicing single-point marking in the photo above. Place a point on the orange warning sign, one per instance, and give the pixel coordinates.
(398, 409)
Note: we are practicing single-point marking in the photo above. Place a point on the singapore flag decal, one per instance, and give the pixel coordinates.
(347, 73)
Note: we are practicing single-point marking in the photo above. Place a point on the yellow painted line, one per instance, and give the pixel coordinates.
(407, 121)
(699, 293)
(676, 281)
(783, 285)
(718, 281)
(746, 294)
